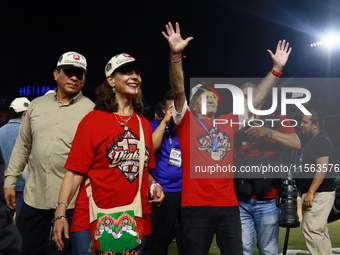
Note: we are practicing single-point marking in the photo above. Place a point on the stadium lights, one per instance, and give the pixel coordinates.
(329, 41)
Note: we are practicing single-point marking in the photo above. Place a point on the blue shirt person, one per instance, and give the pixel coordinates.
(168, 173)
(8, 136)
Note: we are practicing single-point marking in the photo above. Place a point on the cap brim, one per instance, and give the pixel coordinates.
(65, 67)
(195, 90)
(139, 63)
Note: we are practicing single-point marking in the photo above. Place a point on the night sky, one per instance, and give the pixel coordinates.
(231, 39)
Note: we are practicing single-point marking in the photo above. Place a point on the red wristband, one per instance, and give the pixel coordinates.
(177, 60)
(276, 73)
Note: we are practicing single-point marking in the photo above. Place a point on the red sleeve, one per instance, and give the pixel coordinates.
(286, 128)
(148, 142)
(82, 151)
(184, 125)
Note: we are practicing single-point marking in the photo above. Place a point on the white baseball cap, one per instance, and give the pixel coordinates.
(194, 90)
(122, 60)
(20, 104)
(72, 59)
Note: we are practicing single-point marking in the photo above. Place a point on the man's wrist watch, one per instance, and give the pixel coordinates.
(269, 133)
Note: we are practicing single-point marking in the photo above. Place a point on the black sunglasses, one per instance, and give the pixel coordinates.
(77, 72)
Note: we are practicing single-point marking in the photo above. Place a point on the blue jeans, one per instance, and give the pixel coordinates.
(144, 247)
(81, 241)
(261, 216)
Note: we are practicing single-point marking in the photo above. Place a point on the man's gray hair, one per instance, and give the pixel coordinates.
(248, 85)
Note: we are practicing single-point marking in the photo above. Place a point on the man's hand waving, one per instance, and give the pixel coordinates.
(281, 55)
(176, 42)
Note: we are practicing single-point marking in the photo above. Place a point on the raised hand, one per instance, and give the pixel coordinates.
(176, 42)
(168, 115)
(281, 55)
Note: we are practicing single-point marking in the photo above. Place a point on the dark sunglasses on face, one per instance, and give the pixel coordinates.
(74, 72)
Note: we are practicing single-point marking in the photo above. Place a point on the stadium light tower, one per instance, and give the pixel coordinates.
(329, 41)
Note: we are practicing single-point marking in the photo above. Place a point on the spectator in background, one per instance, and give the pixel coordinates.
(8, 136)
(257, 197)
(168, 173)
(159, 114)
(2, 170)
(10, 239)
(317, 191)
(44, 141)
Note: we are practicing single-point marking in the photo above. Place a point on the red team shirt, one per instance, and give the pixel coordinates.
(106, 152)
(206, 190)
(271, 148)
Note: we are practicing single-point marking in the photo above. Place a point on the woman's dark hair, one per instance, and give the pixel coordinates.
(106, 99)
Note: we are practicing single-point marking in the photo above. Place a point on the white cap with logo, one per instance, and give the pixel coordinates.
(20, 104)
(72, 59)
(122, 60)
(194, 90)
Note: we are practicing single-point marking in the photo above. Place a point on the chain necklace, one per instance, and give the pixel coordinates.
(123, 124)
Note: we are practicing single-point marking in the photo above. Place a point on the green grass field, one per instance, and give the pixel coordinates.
(296, 241)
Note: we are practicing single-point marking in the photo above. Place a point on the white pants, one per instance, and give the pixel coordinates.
(314, 223)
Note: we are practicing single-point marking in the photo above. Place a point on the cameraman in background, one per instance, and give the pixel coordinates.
(317, 188)
(257, 196)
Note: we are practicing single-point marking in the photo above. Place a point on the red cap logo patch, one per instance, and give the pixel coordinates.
(76, 57)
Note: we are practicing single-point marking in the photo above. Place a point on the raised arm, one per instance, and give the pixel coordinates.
(177, 44)
(280, 59)
(157, 135)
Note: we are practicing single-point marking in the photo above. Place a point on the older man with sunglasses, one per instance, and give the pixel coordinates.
(44, 142)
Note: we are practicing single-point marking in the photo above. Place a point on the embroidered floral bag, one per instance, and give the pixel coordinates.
(118, 230)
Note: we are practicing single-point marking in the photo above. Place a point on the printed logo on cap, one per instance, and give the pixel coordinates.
(209, 93)
(76, 57)
(108, 67)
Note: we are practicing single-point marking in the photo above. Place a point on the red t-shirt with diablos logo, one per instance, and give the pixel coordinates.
(202, 188)
(109, 155)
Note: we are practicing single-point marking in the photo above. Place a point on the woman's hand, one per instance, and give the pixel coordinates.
(60, 226)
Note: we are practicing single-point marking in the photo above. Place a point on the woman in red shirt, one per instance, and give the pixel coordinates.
(106, 149)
